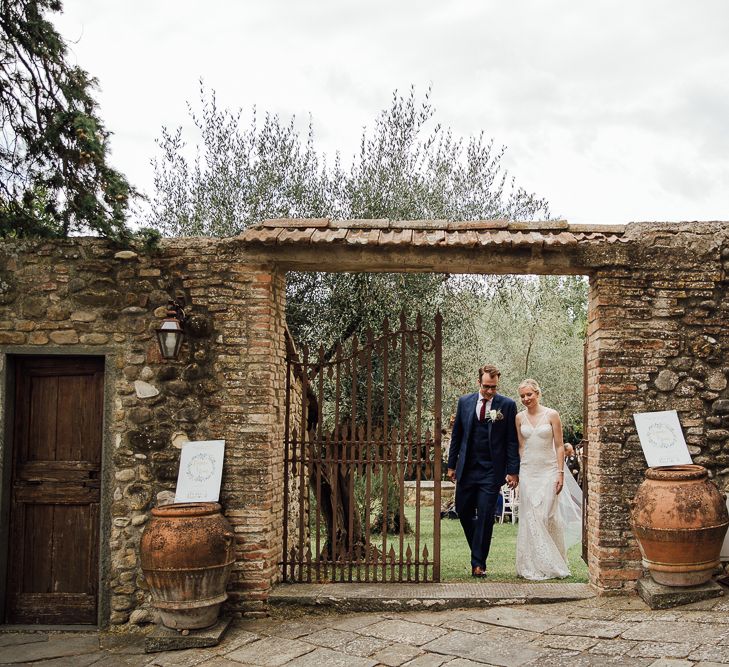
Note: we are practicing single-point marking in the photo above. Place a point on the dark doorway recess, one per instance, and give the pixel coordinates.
(55, 484)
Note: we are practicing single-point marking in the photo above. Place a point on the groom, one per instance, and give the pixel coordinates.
(484, 451)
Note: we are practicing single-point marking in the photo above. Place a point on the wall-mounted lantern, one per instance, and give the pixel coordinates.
(171, 332)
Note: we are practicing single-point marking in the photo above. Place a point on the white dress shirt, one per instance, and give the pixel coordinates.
(480, 400)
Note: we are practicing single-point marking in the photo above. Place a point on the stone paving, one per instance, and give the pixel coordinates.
(588, 632)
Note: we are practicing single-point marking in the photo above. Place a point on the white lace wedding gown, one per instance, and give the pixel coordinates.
(540, 543)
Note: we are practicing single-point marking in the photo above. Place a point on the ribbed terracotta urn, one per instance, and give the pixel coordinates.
(187, 554)
(680, 519)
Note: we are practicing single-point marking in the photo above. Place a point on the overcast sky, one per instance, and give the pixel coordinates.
(613, 111)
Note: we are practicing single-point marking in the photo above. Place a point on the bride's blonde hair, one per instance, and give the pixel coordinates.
(531, 384)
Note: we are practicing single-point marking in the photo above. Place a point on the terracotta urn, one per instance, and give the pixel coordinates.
(187, 552)
(679, 518)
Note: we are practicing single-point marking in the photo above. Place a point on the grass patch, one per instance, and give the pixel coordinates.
(455, 558)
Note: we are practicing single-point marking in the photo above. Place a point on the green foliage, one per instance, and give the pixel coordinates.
(407, 168)
(56, 179)
(529, 327)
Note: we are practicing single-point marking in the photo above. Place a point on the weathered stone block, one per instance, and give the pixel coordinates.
(150, 438)
(138, 496)
(109, 299)
(64, 337)
(94, 339)
(57, 313)
(34, 307)
(144, 389)
(140, 415)
(657, 596)
(12, 338)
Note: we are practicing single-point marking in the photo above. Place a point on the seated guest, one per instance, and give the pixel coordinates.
(571, 460)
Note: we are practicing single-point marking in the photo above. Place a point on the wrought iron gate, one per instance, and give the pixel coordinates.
(356, 430)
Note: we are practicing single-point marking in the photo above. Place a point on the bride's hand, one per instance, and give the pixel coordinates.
(560, 484)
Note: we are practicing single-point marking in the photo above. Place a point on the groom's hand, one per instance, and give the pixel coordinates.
(452, 475)
(512, 481)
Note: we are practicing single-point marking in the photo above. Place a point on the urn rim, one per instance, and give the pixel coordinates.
(187, 509)
(677, 473)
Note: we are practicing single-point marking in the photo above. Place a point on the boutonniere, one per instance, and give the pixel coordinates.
(494, 415)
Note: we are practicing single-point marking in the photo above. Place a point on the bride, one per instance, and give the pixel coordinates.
(544, 512)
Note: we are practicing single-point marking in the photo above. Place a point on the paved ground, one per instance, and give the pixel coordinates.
(585, 632)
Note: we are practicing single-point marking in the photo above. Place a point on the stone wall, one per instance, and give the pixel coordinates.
(84, 297)
(657, 340)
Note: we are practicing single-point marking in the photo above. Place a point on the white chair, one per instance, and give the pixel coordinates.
(510, 504)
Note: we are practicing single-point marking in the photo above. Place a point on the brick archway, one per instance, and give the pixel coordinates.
(644, 290)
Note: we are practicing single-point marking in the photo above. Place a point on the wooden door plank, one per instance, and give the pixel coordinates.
(54, 516)
(77, 424)
(70, 545)
(38, 539)
(43, 415)
(54, 608)
(59, 494)
(57, 471)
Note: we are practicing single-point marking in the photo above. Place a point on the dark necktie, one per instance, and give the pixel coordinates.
(482, 414)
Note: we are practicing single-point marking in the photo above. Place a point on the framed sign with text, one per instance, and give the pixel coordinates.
(201, 471)
(661, 438)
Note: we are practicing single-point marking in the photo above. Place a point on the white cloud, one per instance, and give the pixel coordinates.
(614, 111)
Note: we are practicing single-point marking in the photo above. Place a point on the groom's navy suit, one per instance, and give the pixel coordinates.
(482, 454)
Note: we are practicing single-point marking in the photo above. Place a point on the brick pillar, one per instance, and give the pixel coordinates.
(613, 557)
(250, 370)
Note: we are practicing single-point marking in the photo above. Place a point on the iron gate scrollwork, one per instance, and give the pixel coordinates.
(356, 430)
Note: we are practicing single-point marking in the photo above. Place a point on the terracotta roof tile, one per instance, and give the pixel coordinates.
(467, 225)
(430, 233)
(461, 238)
(436, 237)
(379, 223)
(495, 238)
(295, 235)
(396, 237)
(297, 223)
(328, 235)
(546, 225)
(363, 236)
(418, 224)
(261, 234)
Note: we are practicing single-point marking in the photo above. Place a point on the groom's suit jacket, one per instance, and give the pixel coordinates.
(503, 443)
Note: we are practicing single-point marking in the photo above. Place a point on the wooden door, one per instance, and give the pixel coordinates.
(55, 490)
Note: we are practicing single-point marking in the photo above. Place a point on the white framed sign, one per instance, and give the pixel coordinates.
(661, 438)
(201, 471)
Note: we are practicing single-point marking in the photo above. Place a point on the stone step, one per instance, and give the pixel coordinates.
(357, 597)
